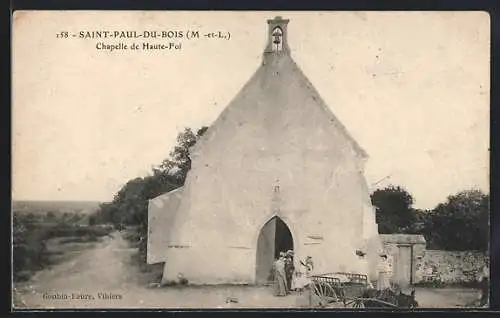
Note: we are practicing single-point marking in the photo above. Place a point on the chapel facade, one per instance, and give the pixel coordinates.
(276, 171)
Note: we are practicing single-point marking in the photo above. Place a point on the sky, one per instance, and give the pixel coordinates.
(411, 87)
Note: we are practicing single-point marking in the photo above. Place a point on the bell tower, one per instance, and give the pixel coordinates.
(277, 42)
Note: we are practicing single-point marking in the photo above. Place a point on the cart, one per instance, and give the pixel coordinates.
(351, 290)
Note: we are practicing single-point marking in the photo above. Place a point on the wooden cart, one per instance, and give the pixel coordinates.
(351, 290)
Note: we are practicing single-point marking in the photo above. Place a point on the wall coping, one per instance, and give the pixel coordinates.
(403, 238)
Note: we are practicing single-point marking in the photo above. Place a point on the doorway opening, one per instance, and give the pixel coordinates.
(274, 237)
(403, 266)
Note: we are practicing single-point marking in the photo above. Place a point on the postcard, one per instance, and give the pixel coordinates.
(246, 159)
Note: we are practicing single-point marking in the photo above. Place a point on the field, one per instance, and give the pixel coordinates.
(47, 233)
(56, 207)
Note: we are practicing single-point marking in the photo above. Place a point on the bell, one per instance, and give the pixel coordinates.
(277, 34)
(277, 38)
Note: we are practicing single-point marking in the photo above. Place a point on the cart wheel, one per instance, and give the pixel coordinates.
(325, 293)
(354, 303)
(359, 303)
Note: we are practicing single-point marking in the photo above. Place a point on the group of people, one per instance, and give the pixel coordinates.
(288, 277)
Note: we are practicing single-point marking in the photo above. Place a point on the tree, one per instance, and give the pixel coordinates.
(50, 215)
(394, 212)
(179, 163)
(130, 204)
(461, 223)
(421, 219)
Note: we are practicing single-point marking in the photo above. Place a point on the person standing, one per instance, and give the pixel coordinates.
(304, 282)
(280, 288)
(485, 290)
(313, 298)
(298, 280)
(289, 269)
(303, 275)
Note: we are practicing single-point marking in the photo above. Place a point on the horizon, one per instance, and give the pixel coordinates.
(57, 201)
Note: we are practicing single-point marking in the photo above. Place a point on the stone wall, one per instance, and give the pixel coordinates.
(450, 266)
(437, 266)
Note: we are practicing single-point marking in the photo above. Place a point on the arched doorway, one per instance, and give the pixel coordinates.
(274, 237)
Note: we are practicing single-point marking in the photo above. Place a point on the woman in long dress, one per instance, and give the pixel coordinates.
(304, 280)
(289, 270)
(485, 274)
(309, 284)
(280, 277)
(302, 275)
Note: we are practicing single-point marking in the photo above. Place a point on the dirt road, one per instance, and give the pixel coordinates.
(104, 277)
(103, 269)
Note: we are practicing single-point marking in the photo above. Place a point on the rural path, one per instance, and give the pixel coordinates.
(106, 270)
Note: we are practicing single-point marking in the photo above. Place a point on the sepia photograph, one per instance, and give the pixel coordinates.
(250, 159)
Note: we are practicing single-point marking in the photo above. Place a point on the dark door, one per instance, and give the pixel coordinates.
(274, 237)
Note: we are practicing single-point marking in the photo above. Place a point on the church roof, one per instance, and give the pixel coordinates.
(334, 120)
(273, 92)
